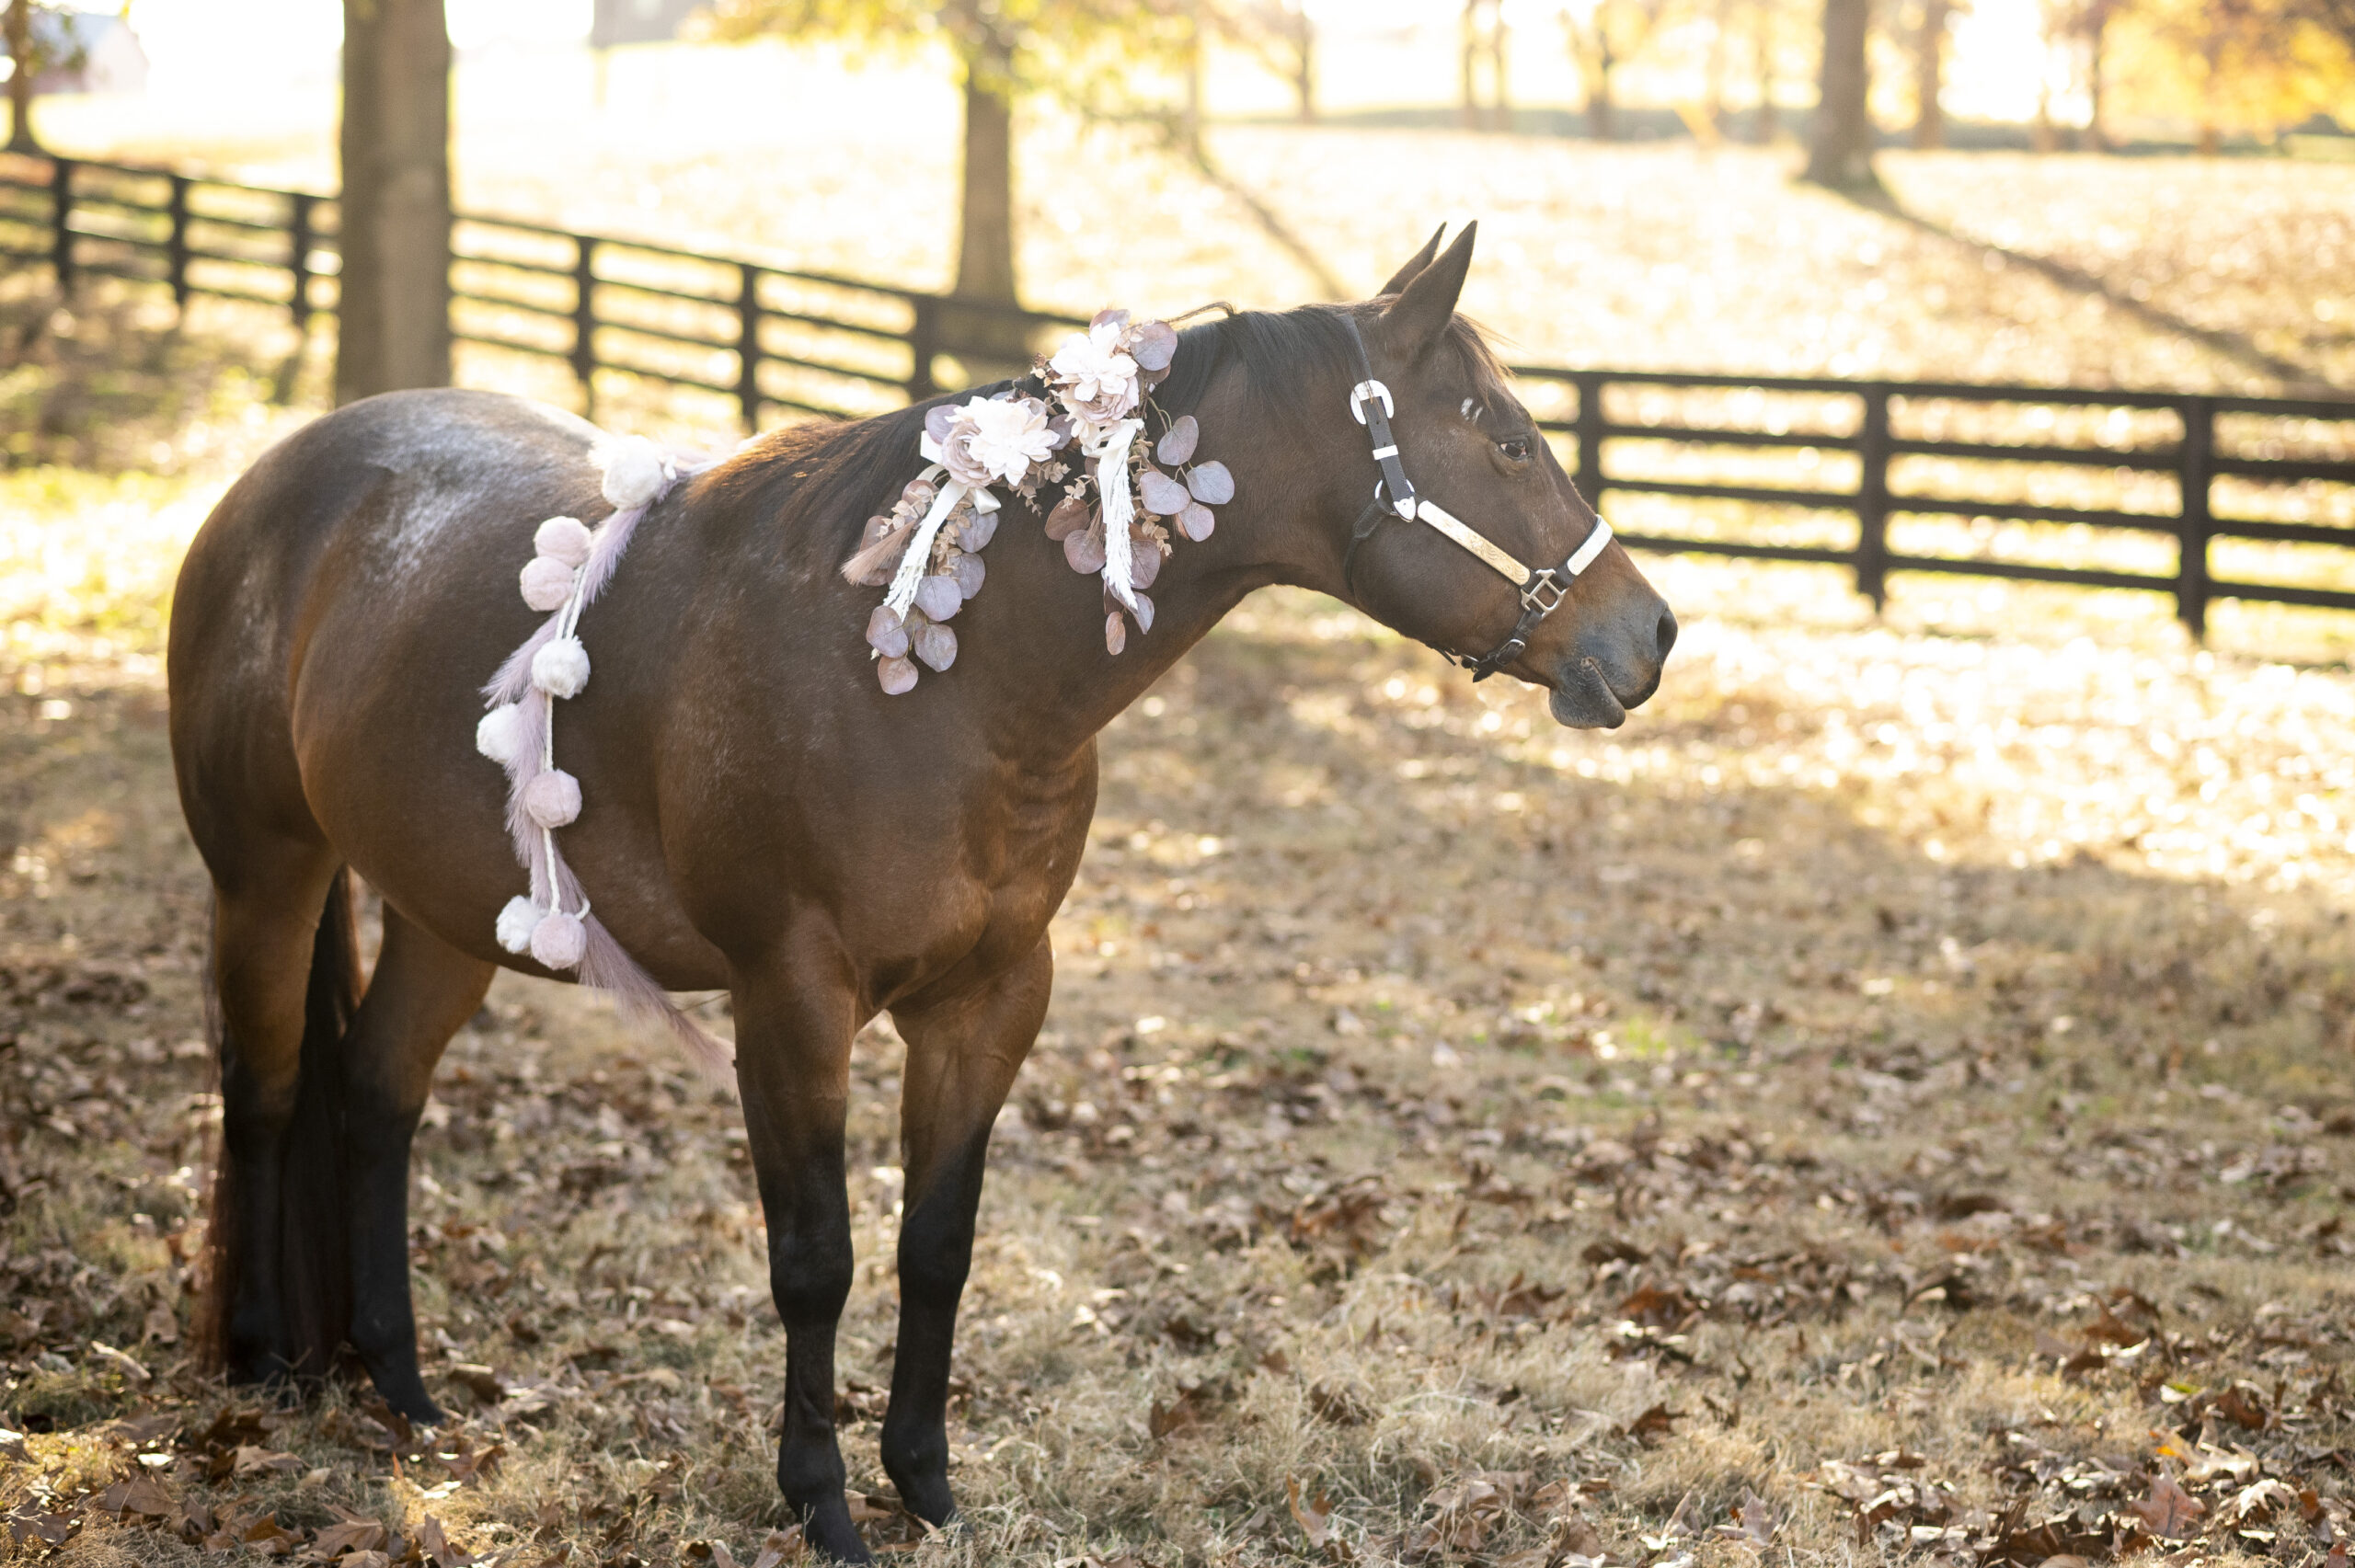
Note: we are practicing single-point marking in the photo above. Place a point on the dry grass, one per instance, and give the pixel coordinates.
(1915, 1040)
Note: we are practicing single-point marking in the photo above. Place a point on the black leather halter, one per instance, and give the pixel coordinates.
(1542, 588)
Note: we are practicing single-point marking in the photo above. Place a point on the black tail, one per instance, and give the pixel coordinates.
(309, 1267)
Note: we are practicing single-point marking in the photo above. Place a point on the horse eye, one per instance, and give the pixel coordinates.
(1515, 448)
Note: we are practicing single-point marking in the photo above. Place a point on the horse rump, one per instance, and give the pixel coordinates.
(277, 1304)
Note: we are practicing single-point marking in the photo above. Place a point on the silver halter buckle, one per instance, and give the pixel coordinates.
(1544, 592)
(1365, 390)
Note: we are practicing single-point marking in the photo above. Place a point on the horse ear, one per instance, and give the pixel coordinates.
(1425, 304)
(1421, 258)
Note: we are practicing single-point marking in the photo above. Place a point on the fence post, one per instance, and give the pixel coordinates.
(61, 208)
(298, 256)
(584, 321)
(175, 244)
(747, 344)
(2195, 468)
(1589, 475)
(1872, 499)
(923, 342)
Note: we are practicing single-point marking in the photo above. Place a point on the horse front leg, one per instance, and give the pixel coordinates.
(962, 1055)
(795, 1016)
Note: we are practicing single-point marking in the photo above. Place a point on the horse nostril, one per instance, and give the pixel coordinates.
(1667, 632)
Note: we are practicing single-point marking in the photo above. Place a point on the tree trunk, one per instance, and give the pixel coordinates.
(1498, 49)
(985, 221)
(1303, 80)
(989, 342)
(20, 78)
(394, 326)
(1839, 151)
(1470, 113)
(1600, 123)
(2097, 30)
(1930, 76)
(1191, 129)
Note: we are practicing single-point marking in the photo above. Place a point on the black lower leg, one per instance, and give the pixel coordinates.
(810, 1274)
(384, 1320)
(255, 1345)
(936, 1254)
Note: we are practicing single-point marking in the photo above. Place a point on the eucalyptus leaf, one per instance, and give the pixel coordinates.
(898, 675)
(1156, 345)
(1144, 564)
(1162, 496)
(1196, 521)
(1144, 612)
(1068, 517)
(1212, 484)
(936, 645)
(886, 634)
(1116, 633)
(1178, 441)
(1085, 552)
(977, 529)
(968, 571)
(940, 596)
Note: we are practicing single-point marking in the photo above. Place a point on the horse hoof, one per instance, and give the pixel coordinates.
(831, 1535)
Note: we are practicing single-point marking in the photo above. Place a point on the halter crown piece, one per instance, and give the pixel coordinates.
(1542, 588)
(1090, 398)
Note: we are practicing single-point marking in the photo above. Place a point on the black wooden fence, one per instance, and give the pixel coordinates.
(773, 337)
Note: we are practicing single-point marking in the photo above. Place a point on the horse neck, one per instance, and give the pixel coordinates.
(1049, 684)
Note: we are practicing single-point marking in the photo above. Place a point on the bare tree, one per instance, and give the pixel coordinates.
(1840, 148)
(1930, 74)
(394, 326)
(29, 55)
(1604, 35)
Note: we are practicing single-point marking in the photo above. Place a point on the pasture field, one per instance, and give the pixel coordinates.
(1887, 1103)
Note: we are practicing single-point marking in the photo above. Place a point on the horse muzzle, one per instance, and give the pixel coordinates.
(1611, 669)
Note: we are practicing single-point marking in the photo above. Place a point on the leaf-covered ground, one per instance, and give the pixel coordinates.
(1887, 1103)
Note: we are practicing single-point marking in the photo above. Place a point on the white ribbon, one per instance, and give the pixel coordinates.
(1109, 446)
(918, 559)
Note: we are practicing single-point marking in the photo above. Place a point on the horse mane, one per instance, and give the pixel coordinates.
(836, 476)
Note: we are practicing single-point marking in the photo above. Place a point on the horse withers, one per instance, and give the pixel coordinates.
(759, 816)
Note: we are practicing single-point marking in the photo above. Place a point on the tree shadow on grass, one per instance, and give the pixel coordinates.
(2297, 379)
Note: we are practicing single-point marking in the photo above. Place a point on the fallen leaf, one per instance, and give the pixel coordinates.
(2169, 1512)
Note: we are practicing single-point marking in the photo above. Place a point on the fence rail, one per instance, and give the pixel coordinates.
(804, 342)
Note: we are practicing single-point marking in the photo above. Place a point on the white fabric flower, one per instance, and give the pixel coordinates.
(1099, 382)
(995, 441)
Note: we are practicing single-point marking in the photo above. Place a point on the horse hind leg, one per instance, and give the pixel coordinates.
(285, 979)
(422, 990)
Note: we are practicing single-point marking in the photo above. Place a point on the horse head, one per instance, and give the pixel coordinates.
(1449, 518)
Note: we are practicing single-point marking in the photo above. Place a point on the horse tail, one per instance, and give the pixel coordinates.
(310, 1274)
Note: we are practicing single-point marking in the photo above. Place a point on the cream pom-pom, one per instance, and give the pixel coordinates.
(546, 583)
(552, 798)
(560, 940)
(633, 473)
(566, 538)
(500, 736)
(561, 667)
(515, 923)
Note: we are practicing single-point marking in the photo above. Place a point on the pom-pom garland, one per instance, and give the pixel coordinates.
(500, 736)
(561, 667)
(547, 583)
(563, 539)
(926, 552)
(560, 940)
(515, 923)
(553, 800)
(635, 473)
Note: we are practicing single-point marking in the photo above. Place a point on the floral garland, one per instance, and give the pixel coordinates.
(926, 553)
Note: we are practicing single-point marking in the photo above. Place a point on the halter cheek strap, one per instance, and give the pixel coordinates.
(1542, 588)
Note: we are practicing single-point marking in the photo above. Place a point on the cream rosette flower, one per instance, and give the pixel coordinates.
(1097, 379)
(993, 441)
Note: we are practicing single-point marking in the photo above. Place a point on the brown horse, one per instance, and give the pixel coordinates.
(760, 817)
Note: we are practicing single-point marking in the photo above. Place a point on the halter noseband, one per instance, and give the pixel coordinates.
(1542, 588)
